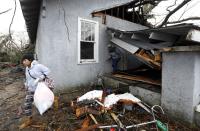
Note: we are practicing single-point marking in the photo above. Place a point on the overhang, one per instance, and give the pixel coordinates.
(31, 11)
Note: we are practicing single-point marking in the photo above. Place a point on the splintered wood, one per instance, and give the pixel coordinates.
(101, 115)
(152, 60)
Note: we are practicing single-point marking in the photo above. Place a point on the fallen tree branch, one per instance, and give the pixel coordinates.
(186, 19)
(5, 11)
(172, 12)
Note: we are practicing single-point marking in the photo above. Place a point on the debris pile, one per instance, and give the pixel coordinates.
(103, 111)
(124, 113)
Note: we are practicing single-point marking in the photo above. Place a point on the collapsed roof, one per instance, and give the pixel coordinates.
(31, 12)
(158, 38)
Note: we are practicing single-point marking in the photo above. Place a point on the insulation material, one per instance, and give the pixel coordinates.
(110, 100)
(91, 95)
(113, 99)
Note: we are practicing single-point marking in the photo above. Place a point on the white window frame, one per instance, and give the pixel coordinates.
(96, 43)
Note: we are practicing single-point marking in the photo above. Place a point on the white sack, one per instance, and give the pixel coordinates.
(43, 97)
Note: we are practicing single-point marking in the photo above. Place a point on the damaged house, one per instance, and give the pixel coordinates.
(72, 37)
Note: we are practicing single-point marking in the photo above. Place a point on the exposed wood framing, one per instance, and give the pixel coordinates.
(119, 123)
(95, 121)
(100, 14)
(139, 78)
(162, 36)
(149, 59)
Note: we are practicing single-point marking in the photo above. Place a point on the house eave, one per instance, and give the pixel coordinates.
(31, 11)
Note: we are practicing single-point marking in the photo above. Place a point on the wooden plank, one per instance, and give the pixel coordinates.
(95, 121)
(119, 123)
(149, 59)
(139, 78)
(98, 14)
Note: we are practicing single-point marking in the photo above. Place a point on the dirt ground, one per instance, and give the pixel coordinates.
(12, 95)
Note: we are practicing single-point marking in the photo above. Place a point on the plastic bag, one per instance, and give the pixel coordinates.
(43, 97)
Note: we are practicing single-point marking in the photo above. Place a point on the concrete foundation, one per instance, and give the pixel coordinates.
(148, 96)
(181, 84)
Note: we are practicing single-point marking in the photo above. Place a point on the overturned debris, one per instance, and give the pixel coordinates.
(105, 108)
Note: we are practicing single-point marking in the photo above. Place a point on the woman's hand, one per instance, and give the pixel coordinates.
(36, 82)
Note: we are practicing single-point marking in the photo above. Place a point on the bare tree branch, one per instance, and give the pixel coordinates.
(173, 11)
(186, 19)
(183, 12)
(171, 6)
(12, 19)
(5, 11)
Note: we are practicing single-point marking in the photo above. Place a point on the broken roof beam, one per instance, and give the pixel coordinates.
(140, 37)
(150, 62)
(113, 6)
(143, 44)
(137, 39)
(160, 36)
(126, 37)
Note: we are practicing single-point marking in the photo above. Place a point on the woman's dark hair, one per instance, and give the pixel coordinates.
(29, 57)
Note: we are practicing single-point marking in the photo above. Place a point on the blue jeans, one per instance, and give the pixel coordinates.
(114, 64)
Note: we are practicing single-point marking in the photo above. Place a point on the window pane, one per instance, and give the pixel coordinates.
(87, 31)
(87, 50)
(83, 30)
(93, 32)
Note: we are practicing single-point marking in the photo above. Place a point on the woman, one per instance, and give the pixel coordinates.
(35, 73)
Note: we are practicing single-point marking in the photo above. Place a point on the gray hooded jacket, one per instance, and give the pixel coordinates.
(36, 71)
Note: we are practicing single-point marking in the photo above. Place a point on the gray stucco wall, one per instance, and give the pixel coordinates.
(181, 84)
(61, 55)
(148, 96)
